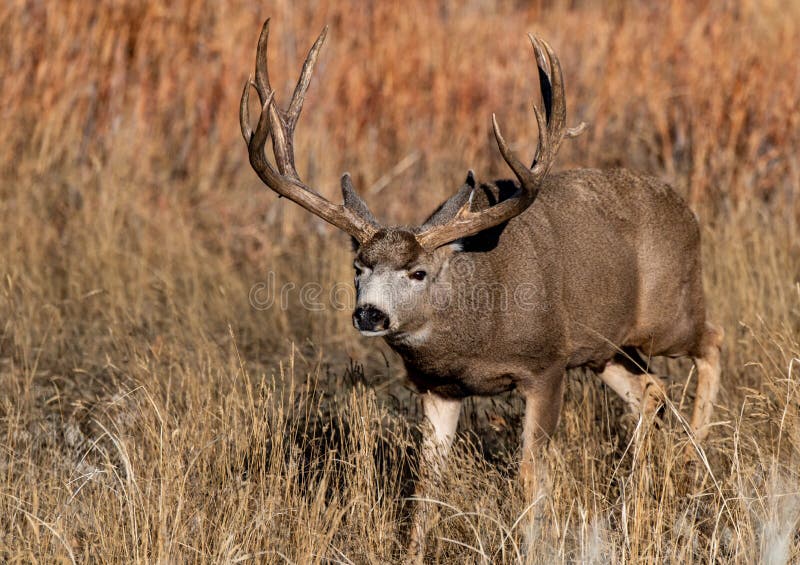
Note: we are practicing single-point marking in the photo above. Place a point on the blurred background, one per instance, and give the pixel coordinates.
(132, 231)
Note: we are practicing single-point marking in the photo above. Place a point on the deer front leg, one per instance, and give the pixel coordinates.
(439, 429)
(542, 410)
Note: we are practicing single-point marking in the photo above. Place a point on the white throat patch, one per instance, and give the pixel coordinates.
(416, 337)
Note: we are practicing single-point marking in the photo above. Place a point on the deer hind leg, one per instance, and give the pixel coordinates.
(439, 429)
(708, 367)
(643, 392)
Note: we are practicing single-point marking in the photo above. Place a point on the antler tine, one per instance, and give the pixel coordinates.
(557, 113)
(244, 104)
(559, 109)
(353, 216)
(544, 68)
(262, 70)
(258, 158)
(519, 168)
(575, 131)
(547, 94)
(298, 97)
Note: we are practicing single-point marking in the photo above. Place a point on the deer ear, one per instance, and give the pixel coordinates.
(450, 207)
(470, 181)
(354, 203)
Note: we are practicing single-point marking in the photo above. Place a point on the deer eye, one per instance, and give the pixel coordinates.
(418, 275)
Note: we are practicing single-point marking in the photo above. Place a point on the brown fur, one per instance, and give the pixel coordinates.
(610, 258)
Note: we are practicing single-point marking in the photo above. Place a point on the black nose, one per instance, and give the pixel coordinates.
(367, 318)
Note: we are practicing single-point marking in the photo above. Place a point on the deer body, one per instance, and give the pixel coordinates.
(601, 260)
(509, 284)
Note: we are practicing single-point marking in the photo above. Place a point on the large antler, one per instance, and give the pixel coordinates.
(353, 216)
(552, 130)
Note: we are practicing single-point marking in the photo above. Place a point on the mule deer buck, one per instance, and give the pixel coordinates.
(591, 266)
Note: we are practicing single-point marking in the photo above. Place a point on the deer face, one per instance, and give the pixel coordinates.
(395, 279)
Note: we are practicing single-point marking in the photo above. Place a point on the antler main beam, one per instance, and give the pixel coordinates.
(280, 124)
(552, 131)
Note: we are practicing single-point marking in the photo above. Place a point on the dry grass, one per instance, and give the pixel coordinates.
(151, 414)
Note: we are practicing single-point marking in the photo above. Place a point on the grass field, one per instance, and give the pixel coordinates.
(151, 412)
